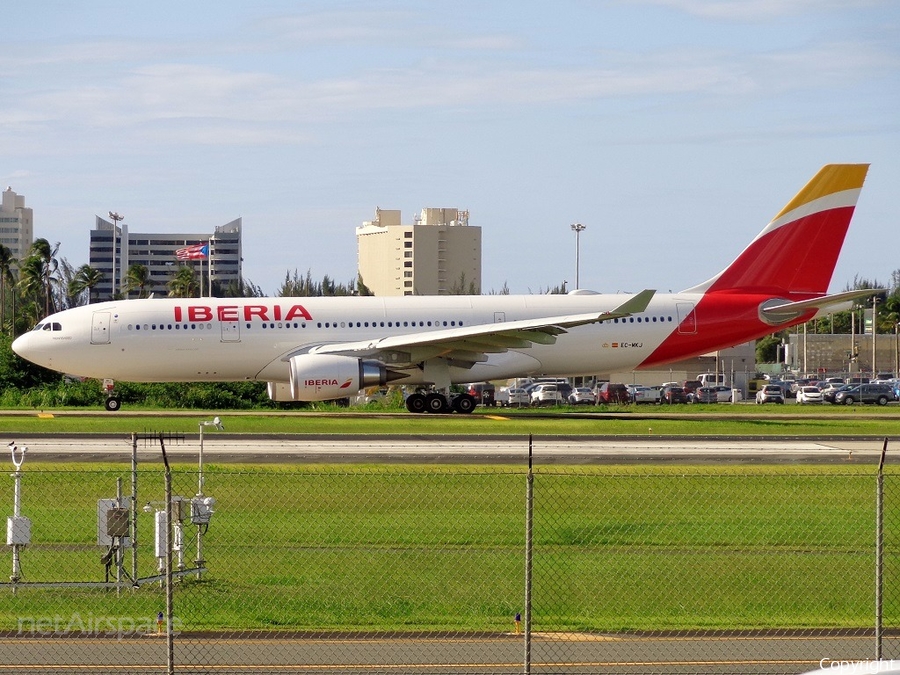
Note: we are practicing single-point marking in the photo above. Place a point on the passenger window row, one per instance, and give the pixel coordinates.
(282, 325)
(646, 319)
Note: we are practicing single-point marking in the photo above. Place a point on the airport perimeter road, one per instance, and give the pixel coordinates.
(223, 447)
(502, 653)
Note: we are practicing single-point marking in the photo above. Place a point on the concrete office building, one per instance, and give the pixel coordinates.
(16, 224)
(156, 251)
(439, 254)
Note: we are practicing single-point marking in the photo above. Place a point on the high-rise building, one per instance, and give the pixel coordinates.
(439, 254)
(157, 252)
(16, 224)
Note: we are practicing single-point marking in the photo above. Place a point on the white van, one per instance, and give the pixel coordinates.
(711, 379)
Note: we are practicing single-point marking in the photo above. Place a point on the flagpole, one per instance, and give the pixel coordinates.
(209, 266)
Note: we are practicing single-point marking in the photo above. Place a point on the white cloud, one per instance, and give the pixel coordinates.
(752, 10)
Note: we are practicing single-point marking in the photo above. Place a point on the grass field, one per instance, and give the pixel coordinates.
(694, 420)
(441, 548)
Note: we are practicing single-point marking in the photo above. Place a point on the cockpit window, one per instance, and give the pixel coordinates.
(40, 326)
(50, 325)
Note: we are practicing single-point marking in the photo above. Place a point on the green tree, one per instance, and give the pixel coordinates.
(46, 253)
(85, 281)
(767, 347)
(361, 288)
(184, 283)
(137, 278)
(6, 280)
(462, 287)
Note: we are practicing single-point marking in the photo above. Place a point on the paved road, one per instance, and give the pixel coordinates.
(434, 653)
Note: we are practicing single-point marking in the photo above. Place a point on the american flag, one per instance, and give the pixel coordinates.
(195, 252)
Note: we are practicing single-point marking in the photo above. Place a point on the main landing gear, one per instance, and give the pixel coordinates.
(435, 402)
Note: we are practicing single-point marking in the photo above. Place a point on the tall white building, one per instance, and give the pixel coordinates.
(114, 249)
(439, 254)
(16, 224)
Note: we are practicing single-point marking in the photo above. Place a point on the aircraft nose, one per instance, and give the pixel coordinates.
(24, 347)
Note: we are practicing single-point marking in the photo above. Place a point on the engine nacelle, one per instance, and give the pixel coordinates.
(323, 377)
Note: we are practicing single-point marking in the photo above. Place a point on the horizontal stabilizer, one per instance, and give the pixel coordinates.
(789, 310)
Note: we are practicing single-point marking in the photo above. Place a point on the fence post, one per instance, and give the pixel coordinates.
(170, 606)
(879, 555)
(529, 523)
(134, 511)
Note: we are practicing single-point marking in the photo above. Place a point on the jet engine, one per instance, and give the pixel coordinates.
(323, 377)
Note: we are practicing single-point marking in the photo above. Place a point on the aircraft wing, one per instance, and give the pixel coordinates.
(468, 345)
(837, 302)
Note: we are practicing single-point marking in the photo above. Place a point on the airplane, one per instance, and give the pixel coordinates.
(317, 349)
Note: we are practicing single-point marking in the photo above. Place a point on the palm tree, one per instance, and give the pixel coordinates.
(138, 278)
(87, 278)
(183, 284)
(6, 278)
(42, 265)
(31, 286)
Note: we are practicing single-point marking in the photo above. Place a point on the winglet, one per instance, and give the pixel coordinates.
(634, 305)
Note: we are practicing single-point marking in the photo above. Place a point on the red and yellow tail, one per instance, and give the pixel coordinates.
(796, 253)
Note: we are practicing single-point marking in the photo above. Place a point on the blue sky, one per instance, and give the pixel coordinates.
(673, 129)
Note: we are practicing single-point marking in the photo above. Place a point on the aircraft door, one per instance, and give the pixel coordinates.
(100, 328)
(231, 331)
(687, 320)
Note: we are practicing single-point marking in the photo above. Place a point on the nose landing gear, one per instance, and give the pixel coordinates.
(113, 400)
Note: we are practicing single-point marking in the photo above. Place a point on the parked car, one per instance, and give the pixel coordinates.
(809, 394)
(642, 394)
(786, 391)
(581, 396)
(705, 395)
(866, 393)
(513, 397)
(689, 387)
(829, 393)
(673, 395)
(483, 393)
(613, 392)
(771, 393)
(727, 394)
(546, 394)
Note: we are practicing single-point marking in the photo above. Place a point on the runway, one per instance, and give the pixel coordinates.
(235, 448)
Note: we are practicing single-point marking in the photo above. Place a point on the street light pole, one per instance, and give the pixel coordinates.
(577, 228)
(114, 215)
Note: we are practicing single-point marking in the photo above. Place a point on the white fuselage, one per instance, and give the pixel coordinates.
(230, 339)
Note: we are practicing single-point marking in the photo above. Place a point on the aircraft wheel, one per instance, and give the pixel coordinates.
(415, 403)
(464, 404)
(435, 403)
(113, 403)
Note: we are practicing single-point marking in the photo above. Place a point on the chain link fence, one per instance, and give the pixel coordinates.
(636, 569)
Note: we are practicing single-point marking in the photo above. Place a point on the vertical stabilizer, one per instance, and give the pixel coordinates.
(796, 253)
